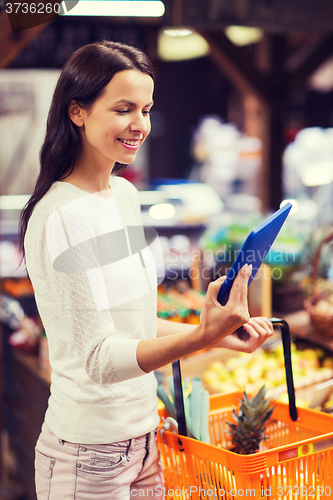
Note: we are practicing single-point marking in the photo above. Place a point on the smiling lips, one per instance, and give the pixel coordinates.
(130, 144)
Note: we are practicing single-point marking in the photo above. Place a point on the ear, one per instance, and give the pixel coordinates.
(75, 113)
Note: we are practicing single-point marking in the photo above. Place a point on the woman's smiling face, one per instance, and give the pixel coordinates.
(118, 122)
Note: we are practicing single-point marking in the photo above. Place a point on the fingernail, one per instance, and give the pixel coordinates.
(247, 269)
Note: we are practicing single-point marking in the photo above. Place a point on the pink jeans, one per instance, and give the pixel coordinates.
(117, 471)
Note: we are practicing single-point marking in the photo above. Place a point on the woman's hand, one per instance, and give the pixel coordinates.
(216, 321)
(249, 337)
(216, 324)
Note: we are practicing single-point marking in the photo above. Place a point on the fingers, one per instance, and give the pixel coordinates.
(214, 288)
(254, 341)
(218, 321)
(249, 337)
(238, 300)
(238, 292)
(262, 325)
(242, 334)
(245, 285)
(259, 329)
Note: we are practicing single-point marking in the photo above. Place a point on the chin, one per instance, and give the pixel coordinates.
(126, 161)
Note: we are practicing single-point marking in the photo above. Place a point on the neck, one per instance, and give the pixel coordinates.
(90, 179)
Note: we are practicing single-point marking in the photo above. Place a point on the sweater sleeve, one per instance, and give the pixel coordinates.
(93, 272)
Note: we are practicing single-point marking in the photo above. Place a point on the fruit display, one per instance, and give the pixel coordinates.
(250, 372)
(251, 420)
(320, 310)
(196, 406)
(179, 303)
(324, 306)
(320, 303)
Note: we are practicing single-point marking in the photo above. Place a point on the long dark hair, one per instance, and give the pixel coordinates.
(83, 79)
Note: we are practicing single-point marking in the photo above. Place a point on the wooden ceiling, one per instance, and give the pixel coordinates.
(298, 37)
(274, 16)
(11, 44)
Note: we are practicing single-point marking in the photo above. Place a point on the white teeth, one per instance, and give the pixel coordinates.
(130, 143)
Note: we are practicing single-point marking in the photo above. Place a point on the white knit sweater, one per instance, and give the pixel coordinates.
(96, 298)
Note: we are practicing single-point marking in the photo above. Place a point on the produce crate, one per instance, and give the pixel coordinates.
(296, 461)
(196, 365)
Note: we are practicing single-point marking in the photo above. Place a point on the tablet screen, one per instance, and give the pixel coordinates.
(255, 249)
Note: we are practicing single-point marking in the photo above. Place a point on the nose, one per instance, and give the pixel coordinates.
(140, 123)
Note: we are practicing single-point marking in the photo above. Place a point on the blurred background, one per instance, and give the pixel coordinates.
(242, 122)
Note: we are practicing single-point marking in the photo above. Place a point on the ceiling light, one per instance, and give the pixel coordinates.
(178, 32)
(243, 35)
(294, 203)
(126, 8)
(322, 79)
(318, 175)
(13, 202)
(179, 44)
(162, 211)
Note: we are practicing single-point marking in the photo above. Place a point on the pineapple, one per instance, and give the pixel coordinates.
(252, 420)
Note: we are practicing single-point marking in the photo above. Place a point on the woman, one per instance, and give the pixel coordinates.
(95, 286)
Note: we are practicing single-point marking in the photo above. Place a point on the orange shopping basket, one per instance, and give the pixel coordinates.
(295, 464)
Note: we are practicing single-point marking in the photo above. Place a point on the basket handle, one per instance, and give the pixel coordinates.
(286, 342)
(179, 401)
(315, 264)
(285, 333)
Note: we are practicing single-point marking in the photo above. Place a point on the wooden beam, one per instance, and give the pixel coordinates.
(273, 146)
(272, 117)
(273, 16)
(11, 44)
(300, 75)
(236, 64)
(271, 88)
(300, 47)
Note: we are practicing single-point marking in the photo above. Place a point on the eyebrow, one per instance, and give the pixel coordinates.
(130, 103)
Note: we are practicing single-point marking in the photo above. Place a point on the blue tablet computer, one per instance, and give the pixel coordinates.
(255, 249)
